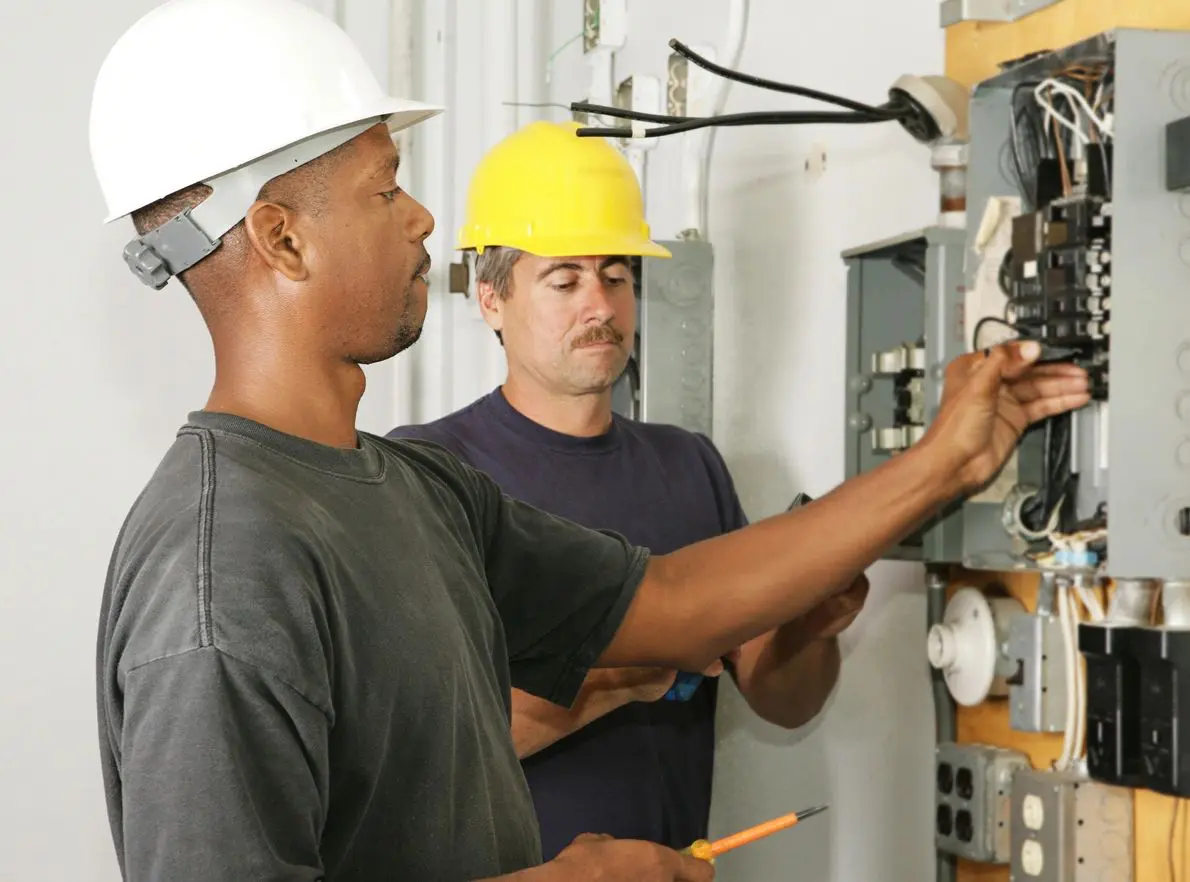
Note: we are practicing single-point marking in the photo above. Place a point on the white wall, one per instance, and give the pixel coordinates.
(780, 288)
(98, 372)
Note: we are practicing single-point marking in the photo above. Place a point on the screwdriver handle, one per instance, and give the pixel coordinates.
(700, 849)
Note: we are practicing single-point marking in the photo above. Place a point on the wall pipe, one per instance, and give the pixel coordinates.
(945, 728)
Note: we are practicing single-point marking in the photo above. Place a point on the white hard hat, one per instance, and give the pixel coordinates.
(231, 93)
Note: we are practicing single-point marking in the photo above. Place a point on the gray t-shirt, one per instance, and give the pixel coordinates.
(305, 657)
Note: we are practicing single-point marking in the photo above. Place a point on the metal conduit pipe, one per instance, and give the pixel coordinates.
(944, 709)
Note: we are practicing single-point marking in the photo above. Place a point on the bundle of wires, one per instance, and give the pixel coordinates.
(1061, 118)
(855, 112)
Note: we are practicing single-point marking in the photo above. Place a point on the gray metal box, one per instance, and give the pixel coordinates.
(1037, 690)
(1145, 481)
(676, 336)
(1068, 828)
(669, 377)
(904, 317)
(973, 786)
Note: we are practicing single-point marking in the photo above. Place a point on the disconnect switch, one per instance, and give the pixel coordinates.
(1037, 687)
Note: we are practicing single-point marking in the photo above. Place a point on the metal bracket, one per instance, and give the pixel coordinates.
(955, 11)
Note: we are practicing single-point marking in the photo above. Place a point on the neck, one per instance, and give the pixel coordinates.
(271, 383)
(583, 416)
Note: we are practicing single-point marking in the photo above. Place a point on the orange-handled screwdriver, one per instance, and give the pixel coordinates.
(708, 851)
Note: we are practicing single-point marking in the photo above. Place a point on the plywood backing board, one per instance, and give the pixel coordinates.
(987, 723)
(975, 49)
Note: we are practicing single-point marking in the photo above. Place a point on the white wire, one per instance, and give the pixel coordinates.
(1080, 103)
(1070, 733)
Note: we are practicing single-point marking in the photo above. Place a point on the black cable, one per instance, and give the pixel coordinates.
(789, 89)
(765, 118)
(995, 320)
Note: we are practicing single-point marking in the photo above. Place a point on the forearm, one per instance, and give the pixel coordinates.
(536, 723)
(701, 602)
(785, 677)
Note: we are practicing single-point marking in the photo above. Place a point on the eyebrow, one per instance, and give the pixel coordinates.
(388, 167)
(608, 263)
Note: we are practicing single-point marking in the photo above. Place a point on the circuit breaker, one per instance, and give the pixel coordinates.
(1113, 704)
(1163, 657)
(973, 786)
(904, 320)
(1068, 828)
(669, 376)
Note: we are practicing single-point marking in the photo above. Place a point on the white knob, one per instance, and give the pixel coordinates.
(941, 646)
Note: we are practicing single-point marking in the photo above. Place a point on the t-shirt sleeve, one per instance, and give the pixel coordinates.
(731, 513)
(224, 773)
(561, 589)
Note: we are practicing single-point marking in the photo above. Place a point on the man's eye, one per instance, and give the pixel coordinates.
(615, 280)
(564, 286)
(391, 195)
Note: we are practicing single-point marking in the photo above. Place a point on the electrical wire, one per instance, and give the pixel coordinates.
(624, 113)
(774, 86)
(1069, 639)
(763, 118)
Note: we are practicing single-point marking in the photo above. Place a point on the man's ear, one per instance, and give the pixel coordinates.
(491, 305)
(274, 233)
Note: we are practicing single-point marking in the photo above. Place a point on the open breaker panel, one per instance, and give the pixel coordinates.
(1077, 236)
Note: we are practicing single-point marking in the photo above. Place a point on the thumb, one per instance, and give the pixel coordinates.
(988, 372)
(1021, 355)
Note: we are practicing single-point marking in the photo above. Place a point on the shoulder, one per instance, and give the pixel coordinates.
(457, 432)
(671, 441)
(219, 552)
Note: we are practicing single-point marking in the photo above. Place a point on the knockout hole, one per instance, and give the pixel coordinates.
(1184, 521)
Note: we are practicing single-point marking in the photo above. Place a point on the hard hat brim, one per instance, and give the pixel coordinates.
(396, 113)
(569, 246)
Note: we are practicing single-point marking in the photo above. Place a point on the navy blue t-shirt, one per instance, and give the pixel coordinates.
(642, 771)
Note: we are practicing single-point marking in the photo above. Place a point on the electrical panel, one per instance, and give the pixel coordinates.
(904, 321)
(1067, 828)
(973, 786)
(1075, 238)
(1097, 270)
(669, 376)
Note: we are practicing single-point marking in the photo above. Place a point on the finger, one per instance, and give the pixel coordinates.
(1054, 405)
(715, 669)
(691, 869)
(591, 837)
(1032, 388)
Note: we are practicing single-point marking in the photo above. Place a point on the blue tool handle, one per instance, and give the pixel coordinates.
(684, 686)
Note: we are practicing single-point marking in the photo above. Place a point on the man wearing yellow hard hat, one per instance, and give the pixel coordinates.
(554, 220)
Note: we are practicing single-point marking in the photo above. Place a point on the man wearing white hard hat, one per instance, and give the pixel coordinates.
(309, 634)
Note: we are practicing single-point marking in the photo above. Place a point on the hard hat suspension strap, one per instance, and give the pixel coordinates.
(188, 237)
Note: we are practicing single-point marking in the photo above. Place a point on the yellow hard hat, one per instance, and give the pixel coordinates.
(545, 191)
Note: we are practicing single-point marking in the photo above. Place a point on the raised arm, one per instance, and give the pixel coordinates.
(778, 569)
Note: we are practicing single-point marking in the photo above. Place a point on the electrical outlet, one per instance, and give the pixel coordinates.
(690, 90)
(605, 24)
(973, 788)
(1037, 687)
(1164, 658)
(1067, 828)
(1113, 705)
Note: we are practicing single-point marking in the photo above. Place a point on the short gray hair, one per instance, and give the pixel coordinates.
(494, 266)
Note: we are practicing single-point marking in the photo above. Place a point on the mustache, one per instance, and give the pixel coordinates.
(424, 266)
(597, 334)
